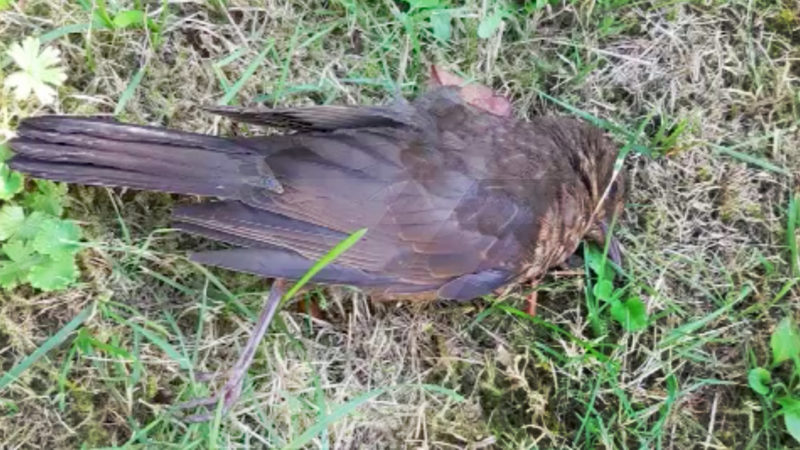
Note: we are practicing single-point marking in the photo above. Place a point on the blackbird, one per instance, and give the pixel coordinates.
(458, 197)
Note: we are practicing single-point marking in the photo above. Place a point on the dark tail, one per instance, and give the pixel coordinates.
(108, 153)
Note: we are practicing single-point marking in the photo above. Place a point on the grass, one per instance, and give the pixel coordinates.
(703, 93)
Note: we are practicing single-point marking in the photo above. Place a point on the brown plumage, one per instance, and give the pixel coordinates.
(458, 198)
(457, 201)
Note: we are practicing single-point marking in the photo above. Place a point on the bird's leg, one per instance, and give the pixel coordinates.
(531, 301)
(233, 386)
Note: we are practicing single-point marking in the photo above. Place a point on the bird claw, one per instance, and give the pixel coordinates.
(477, 95)
(230, 392)
(204, 377)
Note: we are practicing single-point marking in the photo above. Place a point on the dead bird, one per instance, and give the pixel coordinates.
(459, 198)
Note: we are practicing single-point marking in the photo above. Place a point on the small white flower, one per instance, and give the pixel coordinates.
(38, 71)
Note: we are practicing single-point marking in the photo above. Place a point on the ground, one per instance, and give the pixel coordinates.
(704, 93)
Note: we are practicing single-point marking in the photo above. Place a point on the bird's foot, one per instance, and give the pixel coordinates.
(230, 392)
(477, 95)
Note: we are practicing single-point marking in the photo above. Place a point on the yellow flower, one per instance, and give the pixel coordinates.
(38, 71)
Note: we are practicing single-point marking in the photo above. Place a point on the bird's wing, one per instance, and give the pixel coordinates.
(322, 117)
(432, 212)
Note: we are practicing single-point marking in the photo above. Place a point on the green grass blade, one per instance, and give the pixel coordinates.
(758, 162)
(791, 228)
(216, 424)
(348, 408)
(230, 58)
(229, 297)
(53, 35)
(338, 413)
(165, 346)
(453, 395)
(248, 72)
(278, 91)
(48, 345)
(325, 260)
(583, 114)
(128, 93)
(586, 345)
(691, 327)
(217, 67)
(322, 410)
(65, 30)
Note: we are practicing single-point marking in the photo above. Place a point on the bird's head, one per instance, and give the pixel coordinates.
(596, 163)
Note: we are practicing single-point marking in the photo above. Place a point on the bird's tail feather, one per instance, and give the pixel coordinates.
(108, 153)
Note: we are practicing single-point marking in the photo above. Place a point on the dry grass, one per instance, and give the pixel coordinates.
(704, 234)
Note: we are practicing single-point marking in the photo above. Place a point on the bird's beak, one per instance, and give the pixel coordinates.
(599, 234)
(614, 250)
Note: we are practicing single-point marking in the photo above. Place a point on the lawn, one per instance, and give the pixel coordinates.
(704, 96)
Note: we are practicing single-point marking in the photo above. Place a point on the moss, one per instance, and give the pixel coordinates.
(82, 401)
(786, 22)
(94, 434)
